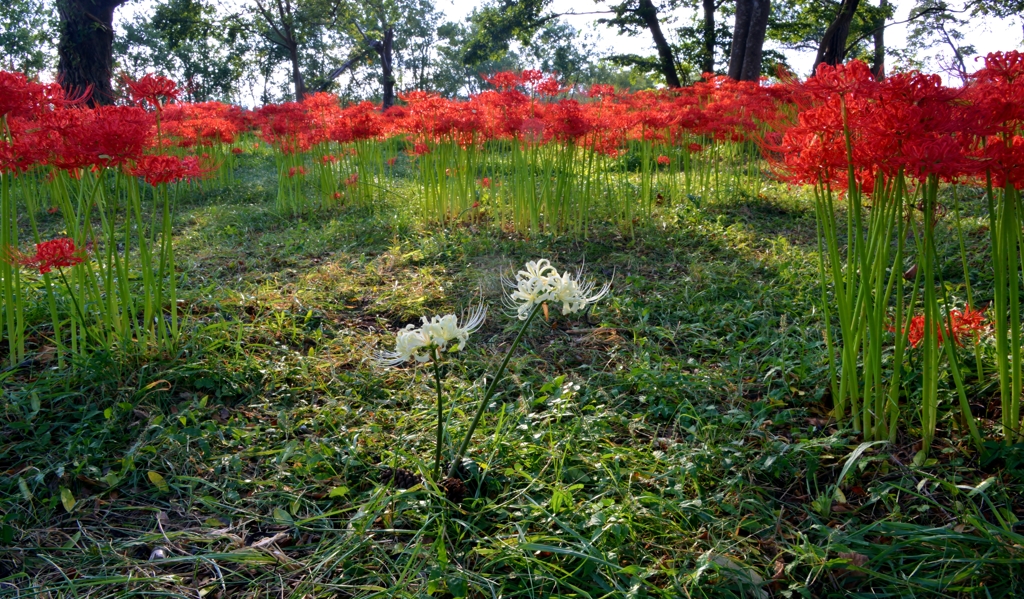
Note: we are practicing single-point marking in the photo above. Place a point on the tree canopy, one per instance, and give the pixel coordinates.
(258, 51)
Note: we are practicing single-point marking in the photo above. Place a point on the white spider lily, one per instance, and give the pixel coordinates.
(575, 294)
(411, 343)
(540, 282)
(442, 330)
(531, 286)
(418, 343)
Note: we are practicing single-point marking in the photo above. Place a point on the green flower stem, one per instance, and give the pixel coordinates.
(440, 415)
(490, 392)
(74, 301)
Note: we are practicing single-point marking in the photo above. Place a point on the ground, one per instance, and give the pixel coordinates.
(675, 440)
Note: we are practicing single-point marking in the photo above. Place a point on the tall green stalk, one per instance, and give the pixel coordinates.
(440, 413)
(1005, 224)
(489, 393)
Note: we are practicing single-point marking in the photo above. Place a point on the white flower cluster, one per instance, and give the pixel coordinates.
(418, 343)
(540, 282)
(536, 284)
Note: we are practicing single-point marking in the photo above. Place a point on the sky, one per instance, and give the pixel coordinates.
(988, 35)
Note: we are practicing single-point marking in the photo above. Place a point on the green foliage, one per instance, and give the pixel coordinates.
(27, 33)
(188, 41)
(801, 25)
(498, 24)
(414, 23)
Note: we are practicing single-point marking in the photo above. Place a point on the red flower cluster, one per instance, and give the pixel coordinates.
(964, 324)
(908, 123)
(152, 90)
(56, 253)
(157, 169)
(530, 107)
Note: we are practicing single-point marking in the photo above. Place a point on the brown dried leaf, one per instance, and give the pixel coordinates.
(779, 571)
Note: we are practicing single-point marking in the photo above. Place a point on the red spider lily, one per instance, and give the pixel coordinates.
(391, 161)
(296, 170)
(599, 90)
(56, 253)
(550, 87)
(568, 122)
(485, 182)
(664, 160)
(695, 148)
(533, 130)
(966, 323)
(503, 81)
(158, 169)
(108, 136)
(287, 126)
(352, 179)
(354, 123)
(915, 333)
(236, 150)
(963, 323)
(328, 159)
(154, 90)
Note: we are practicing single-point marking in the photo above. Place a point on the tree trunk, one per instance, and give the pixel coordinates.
(86, 48)
(878, 60)
(748, 39)
(384, 49)
(300, 84)
(741, 27)
(752, 56)
(707, 63)
(649, 13)
(833, 44)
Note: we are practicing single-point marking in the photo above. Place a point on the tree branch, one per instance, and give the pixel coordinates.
(910, 19)
(356, 57)
(270, 20)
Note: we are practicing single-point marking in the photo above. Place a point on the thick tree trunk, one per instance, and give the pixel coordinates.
(300, 83)
(878, 60)
(86, 48)
(748, 39)
(707, 62)
(649, 13)
(833, 44)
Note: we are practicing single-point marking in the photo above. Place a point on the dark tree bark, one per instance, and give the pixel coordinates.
(748, 39)
(707, 62)
(297, 79)
(833, 44)
(384, 50)
(740, 29)
(86, 48)
(649, 14)
(878, 60)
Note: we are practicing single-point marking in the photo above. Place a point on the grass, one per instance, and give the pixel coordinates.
(674, 441)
